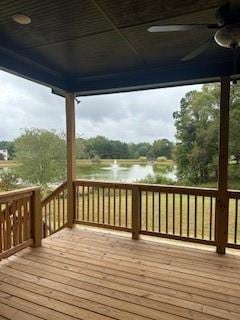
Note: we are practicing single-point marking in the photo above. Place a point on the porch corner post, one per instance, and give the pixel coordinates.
(136, 213)
(71, 156)
(221, 232)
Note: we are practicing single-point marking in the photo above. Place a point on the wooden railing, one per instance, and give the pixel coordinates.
(234, 219)
(182, 213)
(54, 210)
(20, 220)
(164, 211)
(178, 212)
(104, 204)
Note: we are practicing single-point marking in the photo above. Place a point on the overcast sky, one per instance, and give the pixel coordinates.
(131, 117)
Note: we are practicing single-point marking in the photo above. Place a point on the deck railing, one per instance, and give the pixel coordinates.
(181, 213)
(164, 211)
(104, 204)
(234, 219)
(54, 210)
(20, 220)
(178, 212)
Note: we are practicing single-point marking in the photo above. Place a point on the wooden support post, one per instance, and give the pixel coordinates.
(221, 233)
(136, 212)
(71, 156)
(36, 218)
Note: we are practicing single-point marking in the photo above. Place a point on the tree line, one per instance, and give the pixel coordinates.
(99, 146)
(105, 148)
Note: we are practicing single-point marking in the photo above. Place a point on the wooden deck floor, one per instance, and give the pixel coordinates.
(86, 274)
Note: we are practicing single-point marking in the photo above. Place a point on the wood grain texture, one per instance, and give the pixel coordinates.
(82, 273)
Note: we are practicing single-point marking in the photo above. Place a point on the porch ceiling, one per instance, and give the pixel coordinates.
(103, 46)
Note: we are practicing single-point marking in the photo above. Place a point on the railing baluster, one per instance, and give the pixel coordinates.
(88, 204)
(98, 206)
(181, 213)
(210, 218)
(1, 229)
(236, 221)
(126, 208)
(120, 208)
(173, 198)
(109, 205)
(166, 212)
(14, 224)
(146, 211)
(103, 205)
(77, 202)
(54, 213)
(188, 215)
(195, 217)
(58, 211)
(159, 212)
(93, 204)
(153, 205)
(83, 203)
(114, 206)
(203, 217)
(64, 216)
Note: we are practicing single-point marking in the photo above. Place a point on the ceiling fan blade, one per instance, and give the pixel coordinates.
(181, 27)
(197, 51)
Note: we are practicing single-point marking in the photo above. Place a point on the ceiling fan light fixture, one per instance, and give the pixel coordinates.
(228, 36)
(21, 18)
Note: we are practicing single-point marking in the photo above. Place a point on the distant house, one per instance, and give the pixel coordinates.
(4, 154)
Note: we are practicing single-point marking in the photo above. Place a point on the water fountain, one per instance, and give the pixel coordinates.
(115, 166)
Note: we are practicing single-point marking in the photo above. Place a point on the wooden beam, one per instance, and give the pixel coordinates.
(222, 198)
(36, 219)
(136, 216)
(71, 156)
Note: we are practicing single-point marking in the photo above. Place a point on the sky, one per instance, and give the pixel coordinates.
(130, 117)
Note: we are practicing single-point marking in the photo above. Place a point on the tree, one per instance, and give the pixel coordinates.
(197, 134)
(42, 156)
(162, 148)
(81, 149)
(234, 145)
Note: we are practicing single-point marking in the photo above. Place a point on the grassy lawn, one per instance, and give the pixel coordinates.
(8, 164)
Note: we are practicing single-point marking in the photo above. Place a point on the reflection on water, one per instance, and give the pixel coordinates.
(129, 173)
(123, 173)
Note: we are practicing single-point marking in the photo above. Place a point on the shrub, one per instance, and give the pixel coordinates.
(142, 159)
(8, 180)
(161, 159)
(96, 159)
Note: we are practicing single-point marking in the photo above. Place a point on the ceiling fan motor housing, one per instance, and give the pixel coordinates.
(228, 36)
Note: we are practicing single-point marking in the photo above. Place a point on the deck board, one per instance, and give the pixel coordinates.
(87, 274)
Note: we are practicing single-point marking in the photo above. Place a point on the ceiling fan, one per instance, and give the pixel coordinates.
(227, 29)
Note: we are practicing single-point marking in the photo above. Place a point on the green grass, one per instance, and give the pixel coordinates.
(8, 164)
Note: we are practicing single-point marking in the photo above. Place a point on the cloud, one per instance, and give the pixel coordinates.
(136, 116)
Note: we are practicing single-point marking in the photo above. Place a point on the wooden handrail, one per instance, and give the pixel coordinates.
(55, 192)
(53, 211)
(17, 194)
(235, 194)
(149, 187)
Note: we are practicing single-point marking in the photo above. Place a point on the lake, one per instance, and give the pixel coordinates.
(124, 172)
